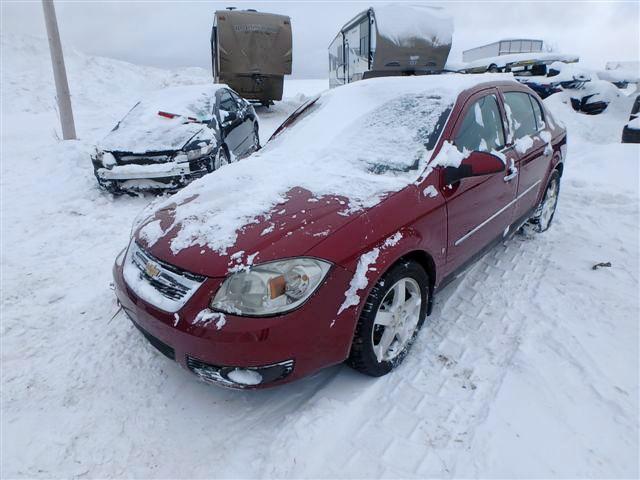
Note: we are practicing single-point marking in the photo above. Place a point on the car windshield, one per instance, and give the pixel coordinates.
(181, 104)
(393, 138)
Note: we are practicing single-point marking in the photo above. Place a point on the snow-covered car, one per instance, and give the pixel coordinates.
(631, 131)
(587, 93)
(330, 243)
(176, 135)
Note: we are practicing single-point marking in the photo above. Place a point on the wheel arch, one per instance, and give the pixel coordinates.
(425, 260)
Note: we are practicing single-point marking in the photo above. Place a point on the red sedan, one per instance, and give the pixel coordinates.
(330, 243)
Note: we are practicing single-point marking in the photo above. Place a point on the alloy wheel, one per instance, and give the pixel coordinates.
(548, 207)
(396, 320)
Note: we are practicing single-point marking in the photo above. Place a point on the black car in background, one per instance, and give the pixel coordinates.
(173, 136)
(631, 131)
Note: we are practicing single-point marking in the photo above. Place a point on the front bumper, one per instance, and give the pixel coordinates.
(279, 348)
(161, 176)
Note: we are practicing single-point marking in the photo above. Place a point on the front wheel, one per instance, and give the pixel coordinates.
(543, 215)
(220, 159)
(390, 320)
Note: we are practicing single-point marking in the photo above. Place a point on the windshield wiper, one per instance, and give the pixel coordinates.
(296, 113)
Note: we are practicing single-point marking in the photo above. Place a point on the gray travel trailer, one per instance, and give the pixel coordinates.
(251, 53)
(391, 40)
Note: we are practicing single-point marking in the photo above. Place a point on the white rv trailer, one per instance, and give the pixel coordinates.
(502, 47)
(390, 40)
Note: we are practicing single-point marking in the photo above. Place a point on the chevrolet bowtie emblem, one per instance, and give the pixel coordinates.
(152, 270)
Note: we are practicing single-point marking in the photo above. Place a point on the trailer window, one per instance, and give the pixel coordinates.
(364, 37)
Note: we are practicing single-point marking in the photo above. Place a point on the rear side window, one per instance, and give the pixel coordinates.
(481, 128)
(520, 115)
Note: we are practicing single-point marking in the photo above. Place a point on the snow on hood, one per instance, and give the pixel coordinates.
(143, 130)
(358, 143)
(401, 24)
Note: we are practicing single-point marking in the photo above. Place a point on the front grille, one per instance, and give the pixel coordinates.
(165, 349)
(175, 286)
(141, 159)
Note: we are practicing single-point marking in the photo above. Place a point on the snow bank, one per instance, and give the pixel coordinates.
(372, 143)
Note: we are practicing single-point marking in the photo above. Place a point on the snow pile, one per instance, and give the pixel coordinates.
(376, 139)
(95, 82)
(144, 129)
(403, 24)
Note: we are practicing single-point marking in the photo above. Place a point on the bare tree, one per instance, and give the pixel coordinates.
(59, 71)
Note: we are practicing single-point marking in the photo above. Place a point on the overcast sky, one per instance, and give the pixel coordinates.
(174, 34)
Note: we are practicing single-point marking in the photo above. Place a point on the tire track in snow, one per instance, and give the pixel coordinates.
(418, 420)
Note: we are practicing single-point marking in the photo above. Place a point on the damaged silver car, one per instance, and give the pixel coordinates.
(174, 136)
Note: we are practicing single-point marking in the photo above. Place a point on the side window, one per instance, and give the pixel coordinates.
(239, 101)
(537, 110)
(227, 103)
(481, 128)
(520, 116)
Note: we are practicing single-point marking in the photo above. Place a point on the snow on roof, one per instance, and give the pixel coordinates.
(143, 129)
(360, 142)
(403, 23)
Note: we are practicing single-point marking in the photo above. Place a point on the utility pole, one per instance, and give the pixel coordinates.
(59, 71)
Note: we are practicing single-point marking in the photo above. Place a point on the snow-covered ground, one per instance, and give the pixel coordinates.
(528, 367)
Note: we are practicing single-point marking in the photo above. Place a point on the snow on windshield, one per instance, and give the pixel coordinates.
(360, 142)
(143, 129)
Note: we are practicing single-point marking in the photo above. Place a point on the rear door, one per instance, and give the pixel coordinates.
(479, 209)
(525, 118)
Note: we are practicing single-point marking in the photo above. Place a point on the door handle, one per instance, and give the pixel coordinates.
(513, 174)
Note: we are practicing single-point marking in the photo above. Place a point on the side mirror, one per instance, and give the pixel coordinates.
(477, 164)
(227, 117)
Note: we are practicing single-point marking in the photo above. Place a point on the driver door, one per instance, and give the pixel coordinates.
(230, 121)
(480, 209)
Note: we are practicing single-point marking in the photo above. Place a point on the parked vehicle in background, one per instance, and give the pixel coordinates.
(390, 40)
(631, 131)
(251, 52)
(174, 136)
(518, 63)
(311, 253)
(502, 47)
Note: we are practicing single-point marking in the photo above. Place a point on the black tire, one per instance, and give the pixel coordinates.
(493, 68)
(542, 218)
(219, 159)
(362, 356)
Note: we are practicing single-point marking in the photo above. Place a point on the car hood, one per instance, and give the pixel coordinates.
(169, 136)
(290, 229)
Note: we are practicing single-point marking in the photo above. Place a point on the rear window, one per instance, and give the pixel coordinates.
(520, 115)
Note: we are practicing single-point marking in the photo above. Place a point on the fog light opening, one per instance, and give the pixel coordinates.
(244, 376)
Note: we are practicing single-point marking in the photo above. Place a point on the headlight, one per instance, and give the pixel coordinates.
(196, 153)
(270, 288)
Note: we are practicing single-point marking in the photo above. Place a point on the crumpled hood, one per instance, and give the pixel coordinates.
(290, 229)
(169, 136)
